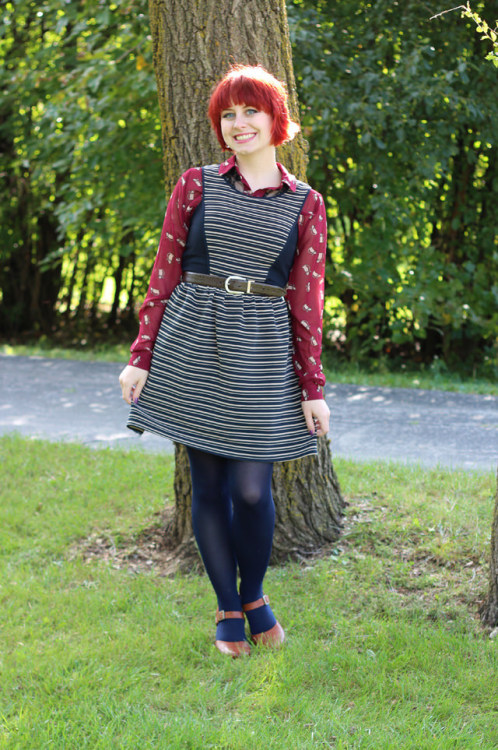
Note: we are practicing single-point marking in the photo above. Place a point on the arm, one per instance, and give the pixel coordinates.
(167, 269)
(166, 274)
(305, 297)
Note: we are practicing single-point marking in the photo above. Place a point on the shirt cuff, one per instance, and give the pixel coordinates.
(310, 391)
(141, 359)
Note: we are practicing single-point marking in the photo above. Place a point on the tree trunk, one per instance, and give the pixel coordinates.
(193, 45)
(308, 508)
(129, 313)
(70, 280)
(489, 610)
(118, 282)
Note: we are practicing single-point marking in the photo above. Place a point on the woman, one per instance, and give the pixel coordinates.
(227, 359)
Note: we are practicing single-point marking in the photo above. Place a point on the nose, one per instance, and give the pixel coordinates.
(239, 120)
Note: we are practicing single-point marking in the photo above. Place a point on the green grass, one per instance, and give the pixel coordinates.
(384, 647)
(103, 353)
(435, 376)
(430, 378)
(423, 379)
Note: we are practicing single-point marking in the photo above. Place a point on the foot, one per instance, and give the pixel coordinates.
(273, 637)
(230, 636)
(233, 648)
(264, 627)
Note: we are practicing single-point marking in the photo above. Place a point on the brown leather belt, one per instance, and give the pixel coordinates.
(233, 284)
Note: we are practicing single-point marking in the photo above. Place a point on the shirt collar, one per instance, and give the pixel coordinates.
(287, 178)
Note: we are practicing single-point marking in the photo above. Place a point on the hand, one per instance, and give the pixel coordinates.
(317, 415)
(132, 380)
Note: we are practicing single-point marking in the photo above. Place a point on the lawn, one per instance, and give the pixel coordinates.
(384, 646)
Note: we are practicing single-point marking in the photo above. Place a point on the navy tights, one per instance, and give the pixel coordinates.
(233, 517)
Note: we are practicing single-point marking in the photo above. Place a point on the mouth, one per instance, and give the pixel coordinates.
(244, 137)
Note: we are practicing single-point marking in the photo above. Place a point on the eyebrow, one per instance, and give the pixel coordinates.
(247, 106)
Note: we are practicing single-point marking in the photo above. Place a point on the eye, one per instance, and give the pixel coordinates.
(227, 115)
(252, 111)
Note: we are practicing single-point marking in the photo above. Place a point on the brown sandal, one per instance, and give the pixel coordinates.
(273, 637)
(231, 648)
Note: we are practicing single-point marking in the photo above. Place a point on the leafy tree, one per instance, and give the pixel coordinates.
(80, 157)
(489, 609)
(485, 31)
(402, 122)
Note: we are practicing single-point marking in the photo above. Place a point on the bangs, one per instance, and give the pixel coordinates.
(244, 91)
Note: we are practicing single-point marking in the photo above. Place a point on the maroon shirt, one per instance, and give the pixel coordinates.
(305, 289)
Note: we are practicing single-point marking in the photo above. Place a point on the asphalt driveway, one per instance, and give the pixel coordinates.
(81, 401)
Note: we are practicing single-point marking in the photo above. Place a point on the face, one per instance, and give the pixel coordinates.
(245, 129)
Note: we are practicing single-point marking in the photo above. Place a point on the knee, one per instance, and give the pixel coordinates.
(252, 497)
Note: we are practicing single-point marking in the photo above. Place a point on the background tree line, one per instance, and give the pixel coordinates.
(402, 122)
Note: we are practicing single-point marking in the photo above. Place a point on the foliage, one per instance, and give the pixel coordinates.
(99, 651)
(483, 29)
(81, 157)
(402, 121)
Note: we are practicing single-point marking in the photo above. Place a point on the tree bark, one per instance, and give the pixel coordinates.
(194, 44)
(489, 610)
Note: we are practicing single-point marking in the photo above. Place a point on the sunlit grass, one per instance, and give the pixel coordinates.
(431, 377)
(101, 353)
(384, 648)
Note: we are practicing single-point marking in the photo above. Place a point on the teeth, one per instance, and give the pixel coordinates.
(244, 137)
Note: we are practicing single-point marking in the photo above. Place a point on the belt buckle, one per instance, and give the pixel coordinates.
(238, 278)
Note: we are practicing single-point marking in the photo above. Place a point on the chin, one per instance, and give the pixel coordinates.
(244, 148)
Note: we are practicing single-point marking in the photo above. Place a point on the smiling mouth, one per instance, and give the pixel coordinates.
(243, 137)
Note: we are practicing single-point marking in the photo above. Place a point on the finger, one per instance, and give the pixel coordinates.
(122, 385)
(124, 392)
(323, 426)
(310, 424)
(127, 391)
(138, 388)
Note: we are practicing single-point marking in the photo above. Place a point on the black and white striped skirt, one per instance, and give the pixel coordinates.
(222, 379)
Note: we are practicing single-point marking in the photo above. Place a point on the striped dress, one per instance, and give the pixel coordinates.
(221, 377)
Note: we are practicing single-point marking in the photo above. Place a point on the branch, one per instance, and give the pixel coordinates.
(458, 7)
(482, 28)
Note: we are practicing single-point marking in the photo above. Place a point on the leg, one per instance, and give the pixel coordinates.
(252, 533)
(212, 526)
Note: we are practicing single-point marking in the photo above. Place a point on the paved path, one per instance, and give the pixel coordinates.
(67, 400)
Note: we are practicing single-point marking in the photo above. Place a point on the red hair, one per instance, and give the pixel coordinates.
(256, 87)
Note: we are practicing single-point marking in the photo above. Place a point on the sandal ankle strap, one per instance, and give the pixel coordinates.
(224, 614)
(256, 604)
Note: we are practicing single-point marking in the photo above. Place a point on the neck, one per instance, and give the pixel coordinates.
(260, 170)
